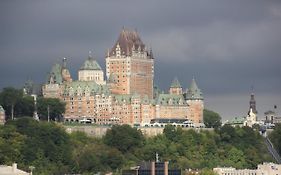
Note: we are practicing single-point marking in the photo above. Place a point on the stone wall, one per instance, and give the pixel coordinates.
(99, 131)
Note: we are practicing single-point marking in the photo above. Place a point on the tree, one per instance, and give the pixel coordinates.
(211, 119)
(124, 138)
(24, 106)
(52, 107)
(172, 133)
(9, 97)
(46, 146)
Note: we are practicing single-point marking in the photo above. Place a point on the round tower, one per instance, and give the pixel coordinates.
(195, 101)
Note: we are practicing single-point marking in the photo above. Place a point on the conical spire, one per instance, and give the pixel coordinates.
(175, 83)
(194, 93)
(193, 85)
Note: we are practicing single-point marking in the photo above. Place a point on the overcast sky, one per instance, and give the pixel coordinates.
(228, 46)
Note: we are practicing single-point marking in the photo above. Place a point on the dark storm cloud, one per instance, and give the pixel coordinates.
(228, 46)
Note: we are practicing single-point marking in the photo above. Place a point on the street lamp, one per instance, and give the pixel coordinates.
(48, 110)
(31, 169)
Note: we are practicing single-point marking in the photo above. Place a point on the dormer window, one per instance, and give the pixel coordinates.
(118, 50)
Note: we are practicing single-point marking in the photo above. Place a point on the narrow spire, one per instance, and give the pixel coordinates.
(252, 89)
(108, 52)
(151, 53)
(175, 83)
(253, 101)
(90, 55)
(64, 63)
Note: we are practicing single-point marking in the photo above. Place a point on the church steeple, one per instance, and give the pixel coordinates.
(253, 102)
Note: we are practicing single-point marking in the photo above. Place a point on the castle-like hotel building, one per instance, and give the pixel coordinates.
(127, 96)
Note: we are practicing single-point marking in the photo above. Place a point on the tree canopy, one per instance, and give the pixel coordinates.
(53, 107)
(51, 150)
(211, 119)
(124, 138)
(15, 103)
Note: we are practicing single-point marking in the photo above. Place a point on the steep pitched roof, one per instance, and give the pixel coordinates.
(90, 64)
(123, 98)
(81, 87)
(55, 75)
(193, 93)
(128, 41)
(170, 99)
(175, 83)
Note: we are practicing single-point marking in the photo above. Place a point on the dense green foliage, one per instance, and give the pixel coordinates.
(275, 138)
(56, 108)
(52, 151)
(16, 104)
(211, 119)
(124, 138)
(28, 142)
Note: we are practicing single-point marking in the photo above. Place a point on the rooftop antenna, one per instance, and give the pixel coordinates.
(252, 89)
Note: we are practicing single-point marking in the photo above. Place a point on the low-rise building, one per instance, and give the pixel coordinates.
(263, 169)
(11, 170)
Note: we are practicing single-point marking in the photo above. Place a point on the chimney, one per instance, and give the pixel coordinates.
(152, 168)
(14, 167)
(166, 168)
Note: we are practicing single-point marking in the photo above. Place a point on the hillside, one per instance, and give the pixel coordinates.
(52, 151)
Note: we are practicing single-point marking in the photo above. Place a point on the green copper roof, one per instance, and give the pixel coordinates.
(170, 99)
(90, 64)
(145, 100)
(175, 83)
(84, 87)
(55, 75)
(127, 99)
(236, 120)
(1, 109)
(121, 99)
(193, 93)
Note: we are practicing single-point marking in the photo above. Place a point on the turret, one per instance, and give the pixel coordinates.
(194, 99)
(65, 72)
(175, 87)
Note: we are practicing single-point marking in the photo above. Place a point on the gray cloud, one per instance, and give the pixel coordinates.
(227, 45)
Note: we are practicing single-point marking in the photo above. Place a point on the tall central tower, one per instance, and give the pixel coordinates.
(131, 64)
